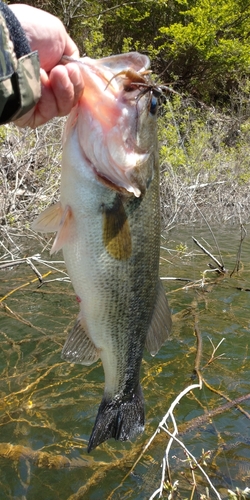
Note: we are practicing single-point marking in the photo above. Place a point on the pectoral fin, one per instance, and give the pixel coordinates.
(161, 322)
(78, 347)
(64, 230)
(52, 219)
(49, 220)
(116, 231)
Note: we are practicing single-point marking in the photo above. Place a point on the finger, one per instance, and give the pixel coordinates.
(76, 78)
(60, 92)
(67, 84)
(71, 48)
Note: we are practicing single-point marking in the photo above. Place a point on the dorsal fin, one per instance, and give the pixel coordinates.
(78, 347)
(161, 322)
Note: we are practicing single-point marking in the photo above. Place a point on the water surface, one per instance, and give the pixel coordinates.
(48, 407)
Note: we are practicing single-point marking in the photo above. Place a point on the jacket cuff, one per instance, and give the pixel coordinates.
(20, 86)
(20, 91)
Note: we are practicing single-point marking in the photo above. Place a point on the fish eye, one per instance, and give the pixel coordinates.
(153, 105)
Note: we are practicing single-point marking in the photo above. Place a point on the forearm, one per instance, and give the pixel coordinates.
(19, 69)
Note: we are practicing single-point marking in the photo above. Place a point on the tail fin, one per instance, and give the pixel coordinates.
(120, 418)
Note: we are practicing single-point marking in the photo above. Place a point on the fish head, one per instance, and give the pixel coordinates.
(116, 121)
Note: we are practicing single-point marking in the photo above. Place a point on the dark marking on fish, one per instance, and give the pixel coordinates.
(116, 230)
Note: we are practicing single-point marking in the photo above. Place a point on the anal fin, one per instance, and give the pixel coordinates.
(161, 322)
(78, 347)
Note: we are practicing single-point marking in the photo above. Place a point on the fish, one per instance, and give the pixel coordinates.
(108, 226)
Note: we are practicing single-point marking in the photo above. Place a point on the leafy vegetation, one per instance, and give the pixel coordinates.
(200, 46)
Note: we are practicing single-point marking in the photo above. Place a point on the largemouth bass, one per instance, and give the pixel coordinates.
(108, 225)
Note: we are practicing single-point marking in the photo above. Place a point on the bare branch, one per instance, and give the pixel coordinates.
(220, 265)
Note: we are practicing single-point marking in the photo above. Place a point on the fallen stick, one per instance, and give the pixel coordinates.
(221, 267)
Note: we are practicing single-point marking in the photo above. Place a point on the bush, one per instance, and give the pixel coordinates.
(201, 46)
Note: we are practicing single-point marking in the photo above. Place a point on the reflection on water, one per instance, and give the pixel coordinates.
(48, 407)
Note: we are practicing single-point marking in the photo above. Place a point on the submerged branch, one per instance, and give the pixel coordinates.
(172, 278)
(198, 353)
(42, 458)
(220, 265)
(237, 263)
(23, 286)
(234, 402)
(187, 452)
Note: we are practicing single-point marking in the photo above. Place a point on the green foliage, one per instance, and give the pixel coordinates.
(200, 45)
(203, 146)
(181, 248)
(3, 134)
(239, 494)
(211, 39)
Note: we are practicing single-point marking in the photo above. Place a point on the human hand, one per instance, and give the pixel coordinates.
(61, 85)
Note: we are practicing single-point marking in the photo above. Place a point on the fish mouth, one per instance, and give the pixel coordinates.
(107, 121)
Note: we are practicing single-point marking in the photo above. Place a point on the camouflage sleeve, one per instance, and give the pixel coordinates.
(19, 78)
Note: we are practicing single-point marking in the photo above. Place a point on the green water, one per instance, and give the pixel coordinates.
(48, 407)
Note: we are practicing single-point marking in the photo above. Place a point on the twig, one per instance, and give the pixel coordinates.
(183, 430)
(31, 385)
(234, 402)
(212, 358)
(202, 419)
(170, 413)
(198, 353)
(40, 458)
(237, 263)
(205, 184)
(11, 263)
(46, 263)
(178, 279)
(35, 270)
(22, 286)
(173, 437)
(220, 266)
(36, 258)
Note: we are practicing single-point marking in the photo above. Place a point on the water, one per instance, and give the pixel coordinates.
(48, 407)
